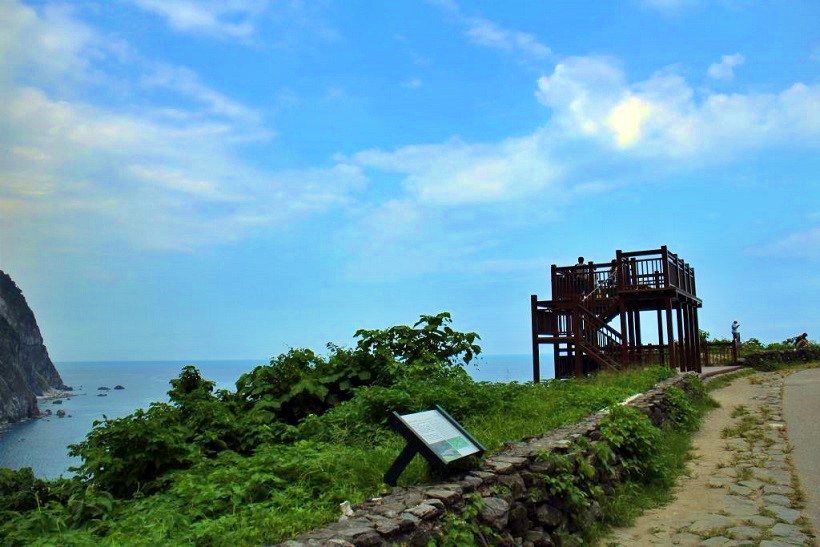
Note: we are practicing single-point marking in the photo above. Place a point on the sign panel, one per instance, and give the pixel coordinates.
(437, 432)
(435, 435)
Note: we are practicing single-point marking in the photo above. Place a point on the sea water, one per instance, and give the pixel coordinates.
(42, 444)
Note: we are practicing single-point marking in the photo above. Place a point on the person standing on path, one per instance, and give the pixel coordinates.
(736, 332)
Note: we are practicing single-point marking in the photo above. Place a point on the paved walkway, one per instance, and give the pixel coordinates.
(741, 489)
(801, 409)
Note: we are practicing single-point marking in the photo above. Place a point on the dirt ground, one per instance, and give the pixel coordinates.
(729, 494)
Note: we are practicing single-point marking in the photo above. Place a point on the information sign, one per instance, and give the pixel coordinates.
(434, 434)
(437, 432)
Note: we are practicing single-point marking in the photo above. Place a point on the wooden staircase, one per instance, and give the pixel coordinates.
(589, 299)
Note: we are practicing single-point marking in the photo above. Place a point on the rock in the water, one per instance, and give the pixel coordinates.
(26, 371)
(102, 394)
(57, 402)
(61, 413)
(103, 388)
(118, 387)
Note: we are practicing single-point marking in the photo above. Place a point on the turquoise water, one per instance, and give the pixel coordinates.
(42, 444)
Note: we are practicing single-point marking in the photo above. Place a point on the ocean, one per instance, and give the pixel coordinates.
(42, 444)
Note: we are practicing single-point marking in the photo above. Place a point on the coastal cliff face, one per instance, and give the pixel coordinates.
(25, 367)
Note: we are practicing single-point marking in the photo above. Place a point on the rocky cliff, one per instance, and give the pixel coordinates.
(25, 368)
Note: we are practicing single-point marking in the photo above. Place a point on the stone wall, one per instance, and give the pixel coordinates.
(769, 359)
(512, 499)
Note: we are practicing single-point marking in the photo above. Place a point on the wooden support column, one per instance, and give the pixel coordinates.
(681, 353)
(660, 335)
(670, 337)
(536, 357)
(624, 335)
(576, 328)
(637, 337)
(687, 327)
(630, 319)
(696, 328)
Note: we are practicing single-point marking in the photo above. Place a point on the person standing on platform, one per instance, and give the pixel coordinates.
(736, 332)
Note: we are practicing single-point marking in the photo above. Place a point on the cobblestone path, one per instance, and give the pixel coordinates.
(742, 489)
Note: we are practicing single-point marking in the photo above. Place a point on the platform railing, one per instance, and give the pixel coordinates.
(718, 353)
(631, 271)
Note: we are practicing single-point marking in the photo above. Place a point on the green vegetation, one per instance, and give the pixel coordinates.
(599, 484)
(297, 437)
(671, 453)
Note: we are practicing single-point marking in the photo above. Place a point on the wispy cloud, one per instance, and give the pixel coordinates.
(725, 69)
(155, 177)
(603, 130)
(668, 6)
(187, 83)
(49, 44)
(222, 19)
(486, 33)
(803, 244)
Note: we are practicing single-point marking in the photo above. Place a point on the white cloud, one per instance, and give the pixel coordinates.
(725, 69)
(662, 117)
(49, 43)
(154, 184)
(221, 19)
(413, 83)
(459, 173)
(668, 6)
(157, 178)
(804, 244)
(486, 33)
(187, 83)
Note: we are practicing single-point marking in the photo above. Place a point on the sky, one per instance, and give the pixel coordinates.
(187, 179)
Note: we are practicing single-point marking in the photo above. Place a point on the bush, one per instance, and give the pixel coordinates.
(679, 410)
(21, 491)
(633, 440)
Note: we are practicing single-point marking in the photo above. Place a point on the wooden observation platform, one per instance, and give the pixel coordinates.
(593, 320)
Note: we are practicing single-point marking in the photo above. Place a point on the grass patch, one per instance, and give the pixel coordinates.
(632, 498)
(281, 490)
(723, 380)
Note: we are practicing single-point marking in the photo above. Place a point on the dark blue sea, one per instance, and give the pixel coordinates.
(42, 444)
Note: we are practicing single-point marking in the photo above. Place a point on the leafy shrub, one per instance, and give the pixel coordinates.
(633, 439)
(21, 491)
(570, 480)
(125, 455)
(434, 342)
(679, 410)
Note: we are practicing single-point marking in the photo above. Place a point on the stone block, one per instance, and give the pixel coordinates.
(495, 512)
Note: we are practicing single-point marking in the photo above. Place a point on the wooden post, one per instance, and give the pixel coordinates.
(734, 351)
(536, 357)
(690, 343)
(638, 331)
(630, 320)
(682, 364)
(665, 259)
(660, 336)
(624, 335)
(576, 329)
(696, 329)
(670, 337)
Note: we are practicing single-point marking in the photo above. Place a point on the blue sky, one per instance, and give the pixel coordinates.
(228, 179)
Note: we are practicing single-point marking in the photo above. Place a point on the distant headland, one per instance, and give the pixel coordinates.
(26, 371)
